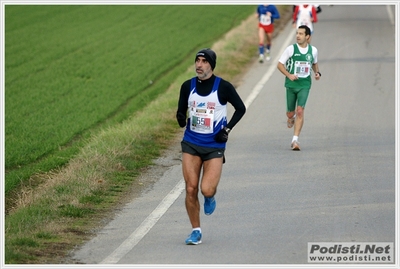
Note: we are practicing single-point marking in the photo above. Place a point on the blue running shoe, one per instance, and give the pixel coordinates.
(209, 205)
(194, 238)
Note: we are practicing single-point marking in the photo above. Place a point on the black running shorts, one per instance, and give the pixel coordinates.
(203, 152)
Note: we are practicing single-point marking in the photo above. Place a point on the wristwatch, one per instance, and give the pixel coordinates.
(319, 73)
(227, 129)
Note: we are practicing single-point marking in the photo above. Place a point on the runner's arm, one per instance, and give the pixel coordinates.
(228, 94)
(181, 113)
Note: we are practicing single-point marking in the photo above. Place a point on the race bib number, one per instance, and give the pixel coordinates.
(202, 120)
(302, 69)
(306, 22)
(265, 20)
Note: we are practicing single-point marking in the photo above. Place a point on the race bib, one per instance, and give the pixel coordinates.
(202, 120)
(306, 22)
(302, 69)
(265, 20)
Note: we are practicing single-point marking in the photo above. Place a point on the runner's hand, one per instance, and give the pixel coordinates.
(181, 119)
(222, 136)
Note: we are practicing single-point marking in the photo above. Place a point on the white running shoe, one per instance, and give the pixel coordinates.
(295, 145)
(268, 55)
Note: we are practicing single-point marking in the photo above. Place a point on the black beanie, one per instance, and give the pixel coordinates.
(210, 56)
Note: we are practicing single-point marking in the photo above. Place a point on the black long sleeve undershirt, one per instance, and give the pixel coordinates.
(226, 94)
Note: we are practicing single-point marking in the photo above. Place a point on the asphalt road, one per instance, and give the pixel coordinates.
(273, 201)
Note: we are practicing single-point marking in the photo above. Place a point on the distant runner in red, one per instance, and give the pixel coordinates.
(305, 15)
(266, 15)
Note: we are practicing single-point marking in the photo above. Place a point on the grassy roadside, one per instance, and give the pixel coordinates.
(66, 209)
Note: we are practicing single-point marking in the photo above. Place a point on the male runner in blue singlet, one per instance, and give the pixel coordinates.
(202, 109)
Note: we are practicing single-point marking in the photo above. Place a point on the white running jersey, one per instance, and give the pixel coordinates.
(207, 116)
(304, 17)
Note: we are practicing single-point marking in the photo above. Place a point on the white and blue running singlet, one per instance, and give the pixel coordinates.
(207, 116)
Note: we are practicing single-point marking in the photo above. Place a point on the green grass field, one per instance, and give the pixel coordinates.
(71, 71)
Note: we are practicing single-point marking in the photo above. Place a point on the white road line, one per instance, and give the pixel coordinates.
(146, 225)
(157, 213)
(390, 14)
